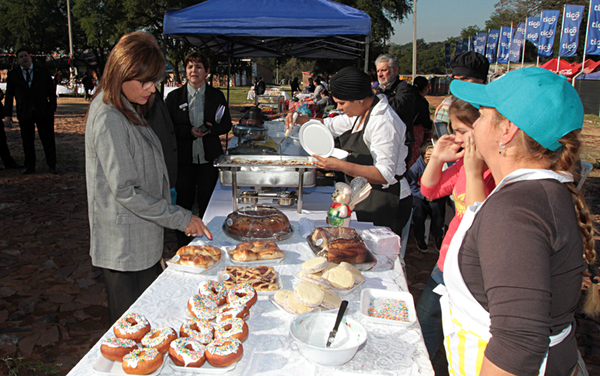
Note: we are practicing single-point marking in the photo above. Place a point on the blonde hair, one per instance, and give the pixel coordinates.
(566, 160)
(136, 56)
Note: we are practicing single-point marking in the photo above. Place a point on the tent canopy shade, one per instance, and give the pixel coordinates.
(262, 28)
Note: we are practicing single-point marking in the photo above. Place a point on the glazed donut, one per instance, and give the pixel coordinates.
(242, 294)
(116, 348)
(142, 361)
(224, 352)
(197, 329)
(160, 339)
(236, 328)
(186, 352)
(202, 308)
(233, 311)
(131, 326)
(214, 291)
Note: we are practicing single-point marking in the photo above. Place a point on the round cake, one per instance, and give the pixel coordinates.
(257, 222)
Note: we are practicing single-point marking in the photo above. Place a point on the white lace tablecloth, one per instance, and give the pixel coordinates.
(269, 349)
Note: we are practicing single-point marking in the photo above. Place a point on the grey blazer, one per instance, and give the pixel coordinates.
(128, 191)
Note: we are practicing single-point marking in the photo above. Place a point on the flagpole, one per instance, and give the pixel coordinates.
(498, 47)
(562, 28)
(587, 31)
(509, 44)
(537, 61)
(524, 43)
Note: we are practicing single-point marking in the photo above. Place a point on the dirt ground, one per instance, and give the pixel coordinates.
(53, 302)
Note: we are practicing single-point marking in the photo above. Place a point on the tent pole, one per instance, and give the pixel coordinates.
(228, 78)
(367, 41)
(561, 34)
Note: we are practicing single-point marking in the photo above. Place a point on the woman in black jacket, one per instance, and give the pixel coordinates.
(200, 114)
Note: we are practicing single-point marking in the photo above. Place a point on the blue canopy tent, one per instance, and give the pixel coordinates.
(264, 28)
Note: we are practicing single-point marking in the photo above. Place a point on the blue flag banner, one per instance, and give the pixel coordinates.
(547, 31)
(569, 39)
(593, 40)
(504, 45)
(480, 43)
(473, 41)
(466, 45)
(459, 47)
(533, 30)
(492, 44)
(447, 55)
(516, 45)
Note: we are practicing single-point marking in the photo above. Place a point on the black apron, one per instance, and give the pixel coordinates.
(381, 207)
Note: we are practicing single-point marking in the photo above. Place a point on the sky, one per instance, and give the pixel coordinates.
(440, 19)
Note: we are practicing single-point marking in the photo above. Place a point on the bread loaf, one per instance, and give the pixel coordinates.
(339, 244)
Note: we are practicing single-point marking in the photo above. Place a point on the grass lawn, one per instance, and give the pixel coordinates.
(238, 94)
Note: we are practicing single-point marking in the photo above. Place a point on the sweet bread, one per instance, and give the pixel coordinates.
(198, 256)
(261, 278)
(256, 250)
(339, 244)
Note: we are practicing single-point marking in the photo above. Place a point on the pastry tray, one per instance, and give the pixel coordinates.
(191, 269)
(206, 368)
(221, 278)
(368, 264)
(228, 250)
(333, 289)
(240, 238)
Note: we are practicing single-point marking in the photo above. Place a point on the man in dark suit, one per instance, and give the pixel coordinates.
(35, 93)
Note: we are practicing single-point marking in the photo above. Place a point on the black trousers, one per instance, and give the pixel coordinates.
(4, 151)
(195, 183)
(124, 288)
(45, 127)
(435, 209)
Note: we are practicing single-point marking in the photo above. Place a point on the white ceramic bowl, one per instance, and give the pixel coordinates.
(312, 330)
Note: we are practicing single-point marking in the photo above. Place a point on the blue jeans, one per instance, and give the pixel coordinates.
(429, 313)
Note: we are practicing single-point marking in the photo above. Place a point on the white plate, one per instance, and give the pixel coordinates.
(205, 369)
(315, 138)
(272, 300)
(191, 269)
(365, 300)
(252, 263)
(105, 366)
(333, 289)
(277, 278)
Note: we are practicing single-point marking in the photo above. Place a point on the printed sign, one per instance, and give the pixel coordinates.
(593, 40)
(547, 32)
(533, 30)
(504, 46)
(569, 38)
(492, 44)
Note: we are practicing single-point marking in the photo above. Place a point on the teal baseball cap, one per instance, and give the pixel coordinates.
(541, 103)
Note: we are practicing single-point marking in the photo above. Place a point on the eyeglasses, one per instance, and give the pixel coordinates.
(148, 84)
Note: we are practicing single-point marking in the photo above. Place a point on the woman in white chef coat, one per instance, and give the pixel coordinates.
(373, 134)
(513, 271)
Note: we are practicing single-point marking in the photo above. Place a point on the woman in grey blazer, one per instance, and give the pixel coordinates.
(127, 180)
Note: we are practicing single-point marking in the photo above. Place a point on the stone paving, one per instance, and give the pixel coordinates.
(52, 300)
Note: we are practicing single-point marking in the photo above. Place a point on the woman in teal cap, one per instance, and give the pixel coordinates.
(513, 271)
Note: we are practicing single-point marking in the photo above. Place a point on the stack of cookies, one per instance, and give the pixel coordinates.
(329, 275)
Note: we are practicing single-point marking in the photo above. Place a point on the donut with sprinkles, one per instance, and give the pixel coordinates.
(116, 348)
(142, 361)
(131, 326)
(213, 290)
(234, 327)
(160, 338)
(197, 329)
(224, 352)
(202, 308)
(242, 294)
(186, 352)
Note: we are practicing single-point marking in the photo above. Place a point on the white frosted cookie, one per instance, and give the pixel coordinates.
(315, 265)
(331, 300)
(281, 295)
(340, 278)
(314, 278)
(309, 294)
(292, 306)
(358, 277)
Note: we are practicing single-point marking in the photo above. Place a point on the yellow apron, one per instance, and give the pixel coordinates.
(465, 322)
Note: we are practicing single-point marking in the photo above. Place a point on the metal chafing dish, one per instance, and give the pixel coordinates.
(266, 171)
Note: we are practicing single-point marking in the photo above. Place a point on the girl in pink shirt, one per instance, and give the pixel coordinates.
(468, 180)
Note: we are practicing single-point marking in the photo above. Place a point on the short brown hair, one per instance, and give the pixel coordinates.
(197, 57)
(136, 56)
(464, 111)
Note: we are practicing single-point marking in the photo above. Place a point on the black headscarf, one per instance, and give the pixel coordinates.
(351, 84)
